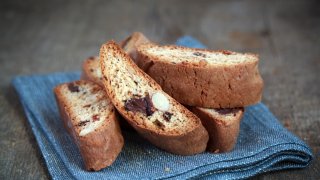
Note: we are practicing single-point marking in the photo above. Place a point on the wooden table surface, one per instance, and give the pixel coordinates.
(47, 36)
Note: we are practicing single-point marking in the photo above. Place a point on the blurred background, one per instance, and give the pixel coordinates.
(39, 37)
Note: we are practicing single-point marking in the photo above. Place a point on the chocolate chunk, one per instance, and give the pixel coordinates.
(73, 88)
(224, 111)
(199, 54)
(143, 105)
(105, 77)
(159, 124)
(167, 116)
(91, 70)
(83, 123)
(91, 58)
(135, 105)
(87, 106)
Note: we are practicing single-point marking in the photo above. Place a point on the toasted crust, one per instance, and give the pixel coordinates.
(202, 84)
(223, 131)
(99, 148)
(185, 142)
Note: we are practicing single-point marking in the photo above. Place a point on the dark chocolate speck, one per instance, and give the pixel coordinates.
(83, 123)
(159, 124)
(199, 54)
(73, 88)
(167, 116)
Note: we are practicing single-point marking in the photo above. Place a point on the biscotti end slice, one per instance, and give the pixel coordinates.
(130, 44)
(203, 78)
(223, 126)
(154, 114)
(91, 70)
(90, 118)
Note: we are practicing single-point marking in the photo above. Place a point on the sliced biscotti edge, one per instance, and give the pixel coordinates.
(130, 44)
(90, 119)
(91, 70)
(193, 80)
(223, 126)
(194, 56)
(155, 115)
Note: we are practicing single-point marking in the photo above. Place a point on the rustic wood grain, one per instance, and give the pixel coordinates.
(48, 36)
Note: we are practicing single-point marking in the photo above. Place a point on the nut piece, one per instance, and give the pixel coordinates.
(73, 87)
(160, 101)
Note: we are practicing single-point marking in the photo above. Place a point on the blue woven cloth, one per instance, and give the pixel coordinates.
(263, 144)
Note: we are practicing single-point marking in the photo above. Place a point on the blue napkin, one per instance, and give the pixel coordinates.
(263, 144)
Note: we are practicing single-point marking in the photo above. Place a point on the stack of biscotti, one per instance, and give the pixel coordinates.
(141, 101)
(223, 127)
(216, 84)
(90, 118)
(159, 123)
(221, 124)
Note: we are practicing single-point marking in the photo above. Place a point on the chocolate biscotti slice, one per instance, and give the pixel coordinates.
(203, 78)
(155, 115)
(223, 126)
(91, 67)
(89, 117)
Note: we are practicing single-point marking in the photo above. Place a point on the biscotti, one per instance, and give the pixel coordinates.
(222, 125)
(203, 78)
(90, 118)
(155, 115)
